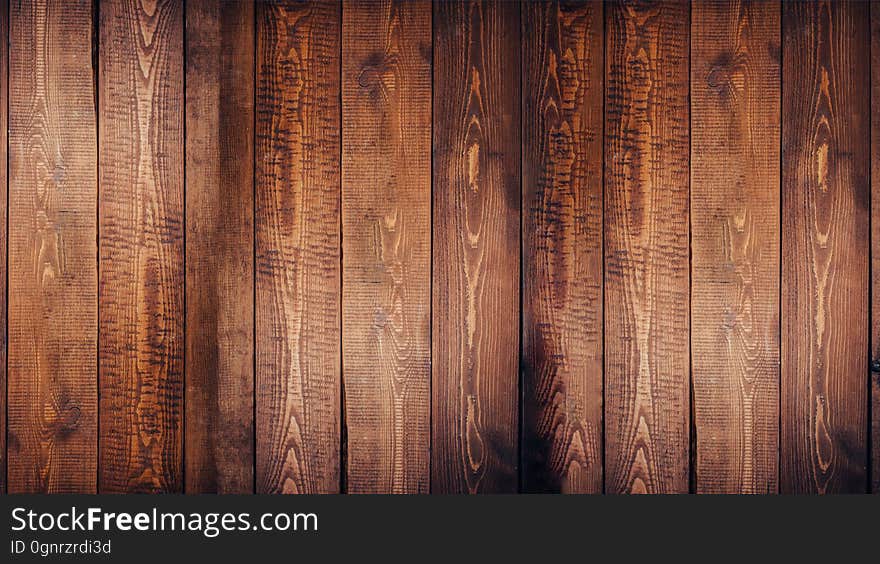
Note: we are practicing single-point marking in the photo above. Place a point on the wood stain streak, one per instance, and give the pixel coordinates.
(141, 246)
(386, 191)
(825, 249)
(297, 247)
(562, 251)
(874, 373)
(476, 246)
(4, 95)
(646, 230)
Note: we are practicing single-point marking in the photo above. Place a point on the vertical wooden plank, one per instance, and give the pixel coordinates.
(4, 93)
(53, 284)
(297, 247)
(825, 246)
(386, 226)
(141, 246)
(219, 246)
(476, 279)
(647, 407)
(735, 119)
(875, 247)
(562, 246)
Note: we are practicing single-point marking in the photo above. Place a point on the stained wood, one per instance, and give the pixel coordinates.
(825, 246)
(52, 254)
(476, 170)
(386, 225)
(219, 247)
(735, 98)
(562, 246)
(875, 247)
(646, 248)
(4, 93)
(297, 247)
(141, 246)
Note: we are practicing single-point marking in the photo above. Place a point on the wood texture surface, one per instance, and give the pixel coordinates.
(4, 93)
(386, 226)
(141, 227)
(563, 74)
(219, 246)
(476, 247)
(647, 408)
(875, 247)
(825, 246)
(52, 255)
(735, 97)
(297, 247)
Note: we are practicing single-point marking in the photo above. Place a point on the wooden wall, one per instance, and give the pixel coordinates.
(454, 247)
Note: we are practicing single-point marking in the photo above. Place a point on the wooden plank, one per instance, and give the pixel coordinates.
(141, 246)
(4, 93)
(386, 225)
(875, 247)
(647, 408)
(476, 276)
(735, 118)
(53, 287)
(219, 406)
(297, 247)
(562, 246)
(825, 246)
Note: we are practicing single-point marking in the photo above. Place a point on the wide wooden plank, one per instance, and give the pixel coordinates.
(4, 92)
(647, 408)
(53, 286)
(386, 226)
(875, 247)
(825, 246)
(735, 99)
(141, 246)
(476, 246)
(297, 247)
(219, 444)
(563, 73)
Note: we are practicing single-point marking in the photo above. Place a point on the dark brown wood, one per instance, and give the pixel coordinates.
(297, 247)
(735, 124)
(4, 95)
(386, 225)
(476, 244)
(646, 248)
(141, 246)
(53, 287)
(219, 246)
(875, 247)
(825, 246)
(563, 73)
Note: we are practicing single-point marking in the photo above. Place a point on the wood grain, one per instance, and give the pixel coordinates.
(4, 95)
(219, 246)
(825, 246)
(297, 247)
(647, 407)
(875, 247)
(562, 246)
(476, 247)
(386, 226)
(735, 122)
(141, 246)
(53, 286)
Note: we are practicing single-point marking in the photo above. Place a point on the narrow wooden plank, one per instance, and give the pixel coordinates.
(875, 247)
(53, 284)
(476, 246)
(386, 226)
(219, 406)
(141, 246)
(647, 408)
(562, 246)
(735, 97)
(297, 247)
(4, 93)
(825, 246)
